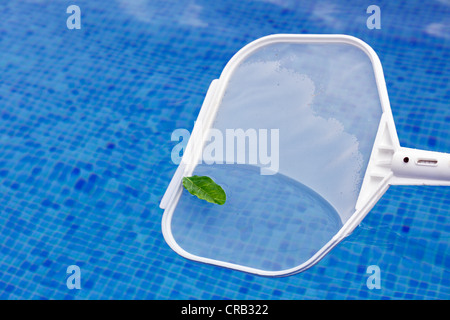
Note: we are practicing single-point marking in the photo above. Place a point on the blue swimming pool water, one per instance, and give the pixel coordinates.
(85, 123)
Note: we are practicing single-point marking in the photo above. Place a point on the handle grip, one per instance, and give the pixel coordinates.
(420, 167)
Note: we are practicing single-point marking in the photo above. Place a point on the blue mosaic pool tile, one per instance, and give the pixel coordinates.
(85, 123)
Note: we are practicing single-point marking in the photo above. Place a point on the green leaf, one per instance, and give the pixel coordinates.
(205, 188)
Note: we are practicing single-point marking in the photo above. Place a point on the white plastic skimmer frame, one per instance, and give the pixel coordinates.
(389, 163)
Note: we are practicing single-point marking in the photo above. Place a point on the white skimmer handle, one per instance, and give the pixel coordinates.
(420, 167)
